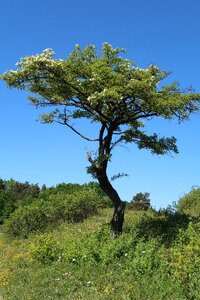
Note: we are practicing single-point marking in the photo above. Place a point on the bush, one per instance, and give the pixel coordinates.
(137, 206)
(14, 194)
(164, 225)
(82, 261)
(40, 215)
(45, 249)
(71, 188)
(7, 205)
(190, 203)
(185, 260)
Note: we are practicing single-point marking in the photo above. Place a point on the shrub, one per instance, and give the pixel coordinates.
(40, 215)
(7, 205)
(137, 206)
(45, 249)
(14, 194)
(74, 188)
(164, 225)
(148, 258)
(190, 203)
(185, 260)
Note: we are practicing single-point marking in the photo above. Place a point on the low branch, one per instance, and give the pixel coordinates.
(77, 132)
(117, 142)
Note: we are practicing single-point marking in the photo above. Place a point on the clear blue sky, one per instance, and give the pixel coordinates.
(165, 33)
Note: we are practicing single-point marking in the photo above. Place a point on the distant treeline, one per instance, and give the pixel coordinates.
(14, 194)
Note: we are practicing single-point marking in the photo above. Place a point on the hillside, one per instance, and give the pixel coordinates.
(157, 257)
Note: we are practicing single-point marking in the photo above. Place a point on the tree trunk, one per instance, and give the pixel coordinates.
(117, 221)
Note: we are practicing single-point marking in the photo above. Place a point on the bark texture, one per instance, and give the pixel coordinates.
(117, 221)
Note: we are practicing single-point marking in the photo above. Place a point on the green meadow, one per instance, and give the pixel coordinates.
(58, 245)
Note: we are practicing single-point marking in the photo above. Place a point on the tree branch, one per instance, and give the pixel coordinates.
(81, 93)
(76, 131)
(101, 143)
(116, 142)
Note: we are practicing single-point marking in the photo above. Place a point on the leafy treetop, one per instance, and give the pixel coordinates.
(107, 89)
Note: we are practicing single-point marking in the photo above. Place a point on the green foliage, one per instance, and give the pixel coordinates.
(141, 201)
(67, 188)
(142, 197)
(164, 225)
(70, 188)
(40, 215)
(137, 206)
(21, 190)
(80, 261)
(13, 194)
(7, 205)
(153, 230)
(190, 203)
(92, 185)
(46, 248)
(2, 185)
(185, 260)
(106, 87)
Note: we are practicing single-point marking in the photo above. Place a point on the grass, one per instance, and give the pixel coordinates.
(82, 261)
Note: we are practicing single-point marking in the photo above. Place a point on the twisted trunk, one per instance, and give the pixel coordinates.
(99, 171)
(116, 224)
(117, 221)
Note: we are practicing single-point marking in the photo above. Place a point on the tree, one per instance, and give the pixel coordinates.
(13, 194)
(142, 198)
(141, 201)
(43, 188)
(2, 185)
(21, 190)
(111, 91)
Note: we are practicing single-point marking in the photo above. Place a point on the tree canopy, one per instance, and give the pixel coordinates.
(108, 89)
